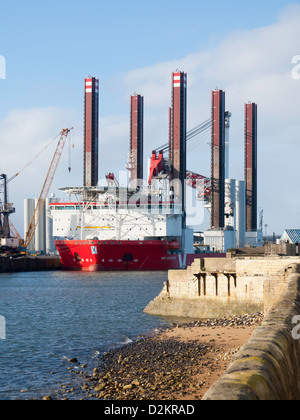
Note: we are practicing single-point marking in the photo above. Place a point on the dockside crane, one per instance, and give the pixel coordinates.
(13, 231)
(7, 242)
(46, 187)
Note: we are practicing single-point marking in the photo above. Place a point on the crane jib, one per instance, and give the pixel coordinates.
(46, 187)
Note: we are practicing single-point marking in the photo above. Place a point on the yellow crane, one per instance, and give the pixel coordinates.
(12, 228)
(46, 187)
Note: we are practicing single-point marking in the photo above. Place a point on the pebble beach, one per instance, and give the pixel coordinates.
(180, 362)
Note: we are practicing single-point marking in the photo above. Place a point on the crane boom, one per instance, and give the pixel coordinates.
(199, 129)
(199, 182)
(46, 187)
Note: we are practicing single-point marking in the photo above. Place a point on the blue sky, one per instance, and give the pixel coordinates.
(244, 48)
(50, 46)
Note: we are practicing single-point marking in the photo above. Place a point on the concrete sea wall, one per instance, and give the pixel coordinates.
(213, 288)
(268, 366)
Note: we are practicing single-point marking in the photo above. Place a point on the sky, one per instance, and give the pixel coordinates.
(248, 49)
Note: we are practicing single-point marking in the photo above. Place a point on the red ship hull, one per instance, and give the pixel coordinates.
(122, 256)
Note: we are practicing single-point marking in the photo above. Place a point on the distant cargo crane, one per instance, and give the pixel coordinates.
(32, 160)
(46, 187)
(13, 231)
(7, 242)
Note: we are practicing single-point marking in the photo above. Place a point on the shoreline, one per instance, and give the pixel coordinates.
(179, 362)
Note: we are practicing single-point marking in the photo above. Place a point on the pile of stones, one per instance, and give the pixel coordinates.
(149, 369)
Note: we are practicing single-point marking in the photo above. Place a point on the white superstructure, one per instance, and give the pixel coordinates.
(105, 218)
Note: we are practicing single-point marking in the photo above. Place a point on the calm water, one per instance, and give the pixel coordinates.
(52, 317)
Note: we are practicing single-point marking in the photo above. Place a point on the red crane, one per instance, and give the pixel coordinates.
(199, 182)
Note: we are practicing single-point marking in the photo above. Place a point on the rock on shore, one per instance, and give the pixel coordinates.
(174, 364)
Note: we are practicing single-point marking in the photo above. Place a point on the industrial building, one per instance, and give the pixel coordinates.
(291, 236)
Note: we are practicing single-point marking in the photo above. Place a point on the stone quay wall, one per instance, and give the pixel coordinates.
(26, 263)
(217, 287)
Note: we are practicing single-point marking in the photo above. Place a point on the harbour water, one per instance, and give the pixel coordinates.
(51, 317)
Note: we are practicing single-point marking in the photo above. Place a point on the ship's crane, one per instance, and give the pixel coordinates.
(159, 166)
(46, 187)
(200, 183)
(194, 132)
(112, 180)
